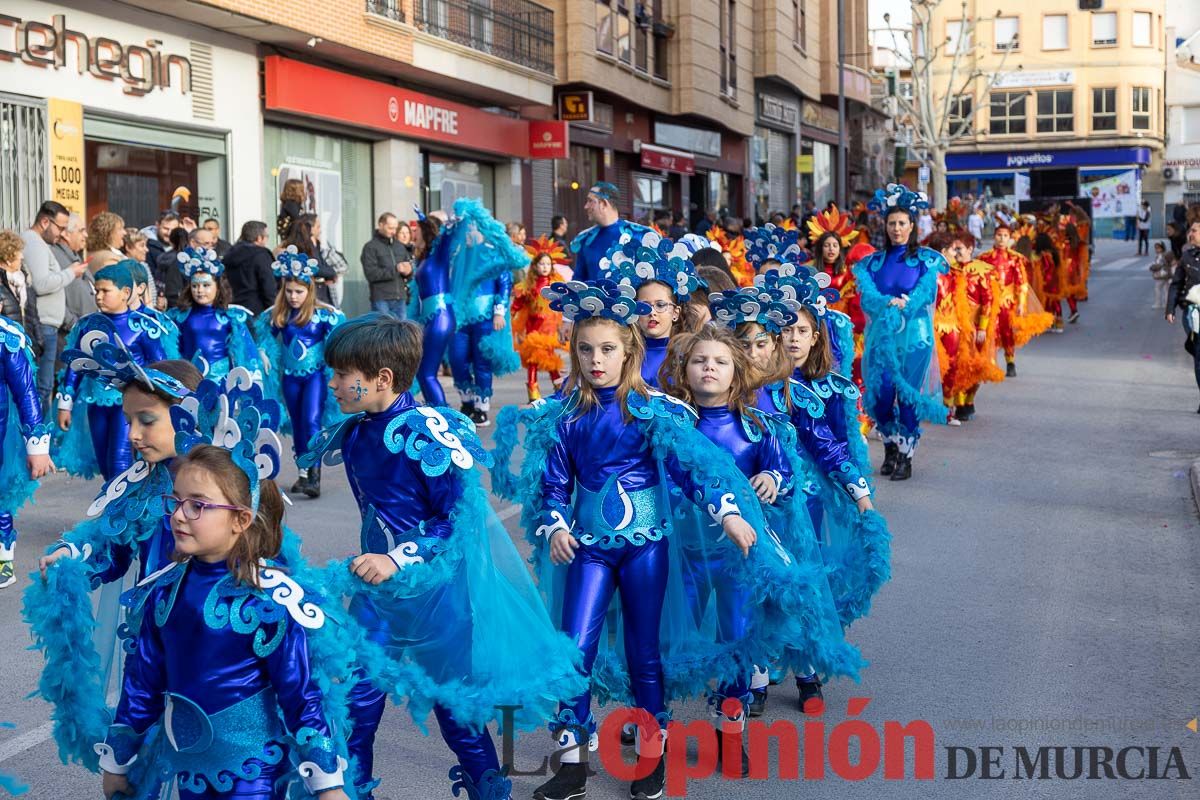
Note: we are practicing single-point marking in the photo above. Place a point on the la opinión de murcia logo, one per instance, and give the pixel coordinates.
(141, 68)
(851, 750)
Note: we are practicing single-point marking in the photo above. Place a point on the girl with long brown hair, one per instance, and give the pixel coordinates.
(291, 336)
(213, 334)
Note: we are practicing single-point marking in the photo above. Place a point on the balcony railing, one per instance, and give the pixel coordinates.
(519, 31)
(392, 9)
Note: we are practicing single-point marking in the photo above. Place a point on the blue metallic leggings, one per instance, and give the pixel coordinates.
(892, 415)
(8, 533)
(110, 439)
(472, 372)
(305, 399)
(438, 333)
(261, 788)
(703, 575)
(640, 572)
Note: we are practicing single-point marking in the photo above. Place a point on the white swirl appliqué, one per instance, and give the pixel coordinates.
(290, 595)
(119, 486)
(727, 507)
(557, 523)
(439, 429)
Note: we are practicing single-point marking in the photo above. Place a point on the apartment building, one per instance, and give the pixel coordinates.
(1181, 165)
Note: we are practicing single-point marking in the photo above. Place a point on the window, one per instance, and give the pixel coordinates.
(905, 89)
(954, 30)
(960, 115)
(1007, 32)
(1141, 108)
(1006, 113)
(624, 30)
(604, 26)
(1104, 29)
(641, 48)
(1104, 109)
(1056, 111)
(729, 48)
(800, 35)
(1054, 32)
(1142, 29)
(1191, 125)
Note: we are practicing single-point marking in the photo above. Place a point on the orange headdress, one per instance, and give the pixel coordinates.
(833, 221)
(735, 246)
(544, 245)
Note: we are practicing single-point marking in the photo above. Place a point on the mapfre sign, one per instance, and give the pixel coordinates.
(142, 68)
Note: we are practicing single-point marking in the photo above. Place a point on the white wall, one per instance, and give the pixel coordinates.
(236, 108)
(1183, 97)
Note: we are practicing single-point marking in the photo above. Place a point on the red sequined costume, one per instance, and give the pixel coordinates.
(1021, 315)
(841, 277)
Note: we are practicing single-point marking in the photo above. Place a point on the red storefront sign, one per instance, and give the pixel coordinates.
(549, 139)
(312, 91)
(669, 160)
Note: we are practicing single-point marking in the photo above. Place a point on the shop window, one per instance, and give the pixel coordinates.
(604, 26)
(1191, 125)
(1006, 113)
(1143, 29)
(139, 182)
(1104, 29)
(1007, 30)
(449, 179)
(1054, 32)
(649, 195)
(1056, 111)
(1104, 109)
(1141, 108)
(961, 120)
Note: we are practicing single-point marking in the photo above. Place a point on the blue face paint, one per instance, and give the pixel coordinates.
(360, 391)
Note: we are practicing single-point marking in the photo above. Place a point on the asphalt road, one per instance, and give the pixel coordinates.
(1046, 561)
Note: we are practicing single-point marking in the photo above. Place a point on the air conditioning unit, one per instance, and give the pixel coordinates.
(1171, 175)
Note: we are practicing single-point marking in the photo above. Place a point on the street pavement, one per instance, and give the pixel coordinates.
(1045, 562)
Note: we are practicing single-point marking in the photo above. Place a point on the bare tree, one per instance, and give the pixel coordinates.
(938, 122)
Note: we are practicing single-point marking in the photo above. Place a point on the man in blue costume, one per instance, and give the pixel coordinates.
(602, 238)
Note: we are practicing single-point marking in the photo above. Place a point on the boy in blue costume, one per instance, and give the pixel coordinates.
(439, 585)
(898, 288)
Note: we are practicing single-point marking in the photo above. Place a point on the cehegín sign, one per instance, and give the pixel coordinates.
(142, 68)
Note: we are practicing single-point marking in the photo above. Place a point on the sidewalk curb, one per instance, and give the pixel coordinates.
(1194, 474)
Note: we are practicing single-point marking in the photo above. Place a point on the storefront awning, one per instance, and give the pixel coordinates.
(664, 158)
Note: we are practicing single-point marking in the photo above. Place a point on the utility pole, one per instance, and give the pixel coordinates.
(840, 193)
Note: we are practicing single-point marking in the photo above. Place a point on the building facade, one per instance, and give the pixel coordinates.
(1181, 165)
(1075, 109)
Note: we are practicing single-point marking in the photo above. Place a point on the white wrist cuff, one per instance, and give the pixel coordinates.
(65, 402)
(108, 761)
(38, 445)
(316, 780)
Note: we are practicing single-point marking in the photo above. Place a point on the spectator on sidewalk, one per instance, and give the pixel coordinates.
(558, 231)
(291, 208)
(105, 238)
(1143, 229)
(1175, 235)
(975, 224)
(135, 247)
(248, 269)
(18, 301)
(678, 227)
(80, 295)
(213, 226)
(158, 236)
(69, 247)
(306, 238)
(49, 280)
(707, 222)
(1185, 279)
(387, 266)
(1161, 269)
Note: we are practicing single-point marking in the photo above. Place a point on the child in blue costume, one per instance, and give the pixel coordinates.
(220, 695)
(774, 313)
(292, 337)
(595, 499)
(433, 307)
(594, 244)
(897, 288)
(786, 605)
(86, 406)
(662, 273)
(156, 323)
(213, 335)
(482, 258)
(21, 431)
(439, 584)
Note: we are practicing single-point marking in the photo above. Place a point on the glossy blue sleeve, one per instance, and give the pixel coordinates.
(20, 379)
(558, 484)
(141, 703)
(714, 498)
(831, 455)
(772, 458)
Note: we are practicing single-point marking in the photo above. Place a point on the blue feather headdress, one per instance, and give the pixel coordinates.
(769, 241)
(242, 420)
(803, 286)
(195, 261)
(293, 265)
(768, 307)
(102, 354)
(645, 256)
(898, 196)
(578, 301)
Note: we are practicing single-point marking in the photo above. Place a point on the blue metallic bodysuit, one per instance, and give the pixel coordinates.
(470, 362)
(436, 313)
(215, 340)
(22, 431)
(656, 354)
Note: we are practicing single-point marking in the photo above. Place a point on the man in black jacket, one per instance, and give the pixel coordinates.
(387, 266)
(248, 268)
(1186, 277)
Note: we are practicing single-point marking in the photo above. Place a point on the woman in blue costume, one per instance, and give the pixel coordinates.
(434, 309)
(897, 288)
(88, 408)
(157, 323)
(596, 502)
(796, 613)
(439, 586)
(662, 273)
(291, 336)
(219, 695)
(857, 535)
(482, 259)
(21, 431)
(213, 335)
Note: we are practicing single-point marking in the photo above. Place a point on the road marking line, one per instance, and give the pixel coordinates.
(1120, 264)
(26, 741)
